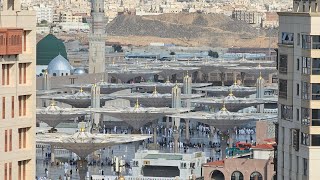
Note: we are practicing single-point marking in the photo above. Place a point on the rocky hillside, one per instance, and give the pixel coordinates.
(183, 25)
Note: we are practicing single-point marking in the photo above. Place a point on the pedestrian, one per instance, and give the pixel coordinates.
(47, 172)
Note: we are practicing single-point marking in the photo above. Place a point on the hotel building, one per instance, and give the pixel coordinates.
(17, 91)
(298, 154)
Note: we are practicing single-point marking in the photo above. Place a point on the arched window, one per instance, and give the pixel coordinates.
(217, 175)
(236, 175)
(256, 176)
(54, 74)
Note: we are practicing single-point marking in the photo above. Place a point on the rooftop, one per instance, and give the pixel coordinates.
(164, 156)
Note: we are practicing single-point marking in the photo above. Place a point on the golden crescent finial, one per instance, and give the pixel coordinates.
(155, 90)
(260, 77)
(230, 92)
(224, 106)
(136, 106)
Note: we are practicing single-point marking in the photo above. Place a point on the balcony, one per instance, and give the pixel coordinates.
(11, 41)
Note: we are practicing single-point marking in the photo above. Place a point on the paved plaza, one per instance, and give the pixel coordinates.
(127, 151)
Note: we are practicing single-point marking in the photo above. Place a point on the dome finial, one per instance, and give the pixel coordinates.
(81, 90)
(235, 80)
(260, 76)
(53, 103)
(155, 90)
(224, 106)
(230, 92)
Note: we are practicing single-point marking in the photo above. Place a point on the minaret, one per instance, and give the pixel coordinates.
(260, 92)
(95, 96)
(176, 97)
(95, 102)
(187, 84)
(97, 37)
(46, 81)
(176, 103)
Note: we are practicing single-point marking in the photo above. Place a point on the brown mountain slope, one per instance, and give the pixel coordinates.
(188, 29)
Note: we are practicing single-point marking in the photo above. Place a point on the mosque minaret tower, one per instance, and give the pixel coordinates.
(97, 37)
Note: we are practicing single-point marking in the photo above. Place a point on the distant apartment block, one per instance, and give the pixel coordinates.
(250, 17)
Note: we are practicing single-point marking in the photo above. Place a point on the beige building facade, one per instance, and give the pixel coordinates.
(239, 169)
(17, 91)
(298, 155)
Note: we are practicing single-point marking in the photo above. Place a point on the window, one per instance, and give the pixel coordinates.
(298, 114)
(305, 93)
(316, 66)
(310, 42)
(5, 140)
(286, 112)
(298, 89)
(236, 175)
(22, 105)
(5, 74)
(305, 139)
(315, 140)
(22, 73)
(22, 170)
(305, 116)
(3, 107)
(306, 65)
(298, 64)
(306, 42)
(283, 63)
(297, 164)
(305, 166)
(315, 91)
(10, 140)
(12, 107)
(295, 139)
(287, 38)
(6, 171)
(22, 137)
(24, 40)
(315, 42)
(315, 117)
(283, 88)
(10, 171)
(298, 39)
(256, 176)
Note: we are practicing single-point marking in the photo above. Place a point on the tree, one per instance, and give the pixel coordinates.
(213, 54)
(172, 53)
(117, 48)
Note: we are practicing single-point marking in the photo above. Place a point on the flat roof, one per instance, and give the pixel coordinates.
(164, 156)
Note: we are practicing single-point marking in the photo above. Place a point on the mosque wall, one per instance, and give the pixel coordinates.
(61, 81)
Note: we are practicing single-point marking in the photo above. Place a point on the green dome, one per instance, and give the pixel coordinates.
(48, 48)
